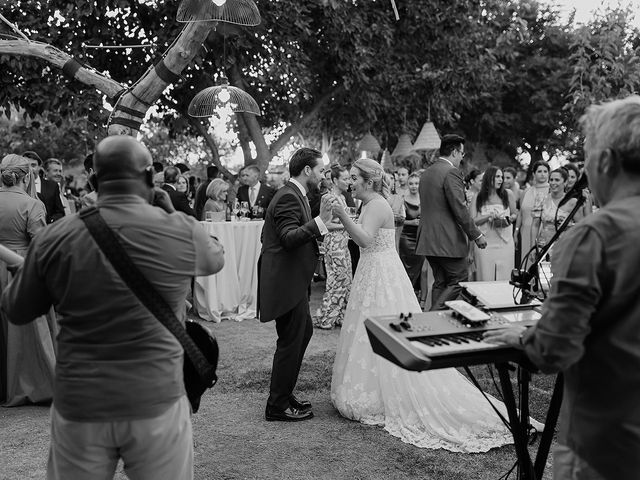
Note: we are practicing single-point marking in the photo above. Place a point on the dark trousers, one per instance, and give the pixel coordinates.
(447, 273)
(294, 330)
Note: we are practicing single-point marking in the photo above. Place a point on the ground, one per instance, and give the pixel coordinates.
(233, 441)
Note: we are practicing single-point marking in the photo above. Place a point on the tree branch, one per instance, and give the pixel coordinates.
(58, 58)
(251, 122)
(202, 131)
(296, 127)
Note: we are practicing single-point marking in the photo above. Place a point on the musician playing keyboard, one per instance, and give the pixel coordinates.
(590, 324)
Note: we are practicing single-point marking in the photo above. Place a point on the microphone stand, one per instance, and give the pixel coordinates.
(524, 279)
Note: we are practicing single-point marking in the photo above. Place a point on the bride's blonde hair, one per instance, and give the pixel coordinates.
(372, 170)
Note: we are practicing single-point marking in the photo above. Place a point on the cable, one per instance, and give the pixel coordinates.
(477, 385)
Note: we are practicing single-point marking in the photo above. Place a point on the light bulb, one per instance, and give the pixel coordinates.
(223, 95)
(219, 3)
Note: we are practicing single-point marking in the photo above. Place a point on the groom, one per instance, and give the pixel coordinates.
(287, 262)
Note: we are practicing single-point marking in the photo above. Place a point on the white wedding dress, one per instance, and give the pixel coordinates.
(434, 409)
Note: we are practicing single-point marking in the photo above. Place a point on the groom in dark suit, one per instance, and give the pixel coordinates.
(288, 260)
(446, 227)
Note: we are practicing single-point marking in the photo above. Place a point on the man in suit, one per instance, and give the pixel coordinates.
(201, 192)
(179, 200)
(445, 223)
(47, 190)
(287, 262)
(590, 323)
(253, 191)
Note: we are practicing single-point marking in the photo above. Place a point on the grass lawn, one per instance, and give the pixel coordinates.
(233, 441)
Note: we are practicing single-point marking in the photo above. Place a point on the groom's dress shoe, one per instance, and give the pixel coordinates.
(301, 405)
(289, 415)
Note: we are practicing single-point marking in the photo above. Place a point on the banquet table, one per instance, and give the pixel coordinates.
(232, 292)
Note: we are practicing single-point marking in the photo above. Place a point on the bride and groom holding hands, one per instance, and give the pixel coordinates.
(435, 409)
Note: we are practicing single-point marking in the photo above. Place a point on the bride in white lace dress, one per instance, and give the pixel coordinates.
(435, 409)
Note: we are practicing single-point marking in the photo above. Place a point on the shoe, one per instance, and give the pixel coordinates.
(301, 405)
(289, 415)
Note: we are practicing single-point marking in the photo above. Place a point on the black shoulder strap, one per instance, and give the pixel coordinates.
(109, 243)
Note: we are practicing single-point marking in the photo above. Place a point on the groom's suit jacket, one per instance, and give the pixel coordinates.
(289, 253)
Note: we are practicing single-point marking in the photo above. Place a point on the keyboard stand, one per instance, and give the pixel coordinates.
(519, 421)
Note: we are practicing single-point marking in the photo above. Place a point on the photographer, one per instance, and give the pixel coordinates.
(119, 390)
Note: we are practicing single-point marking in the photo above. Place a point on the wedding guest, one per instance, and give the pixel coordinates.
(201, 192)
(551, 215)
(510, 183)
(179, 199)
(217, 191)
(531, 205)
(182, 185)
(472, 181)
(397, 206)
(53, 171)
(494, 211)
(256, 193)
(590, 324)
(119, 387)
(337, 260)
(402, 188)
(27, 353)
(91, 198)
(573, 174)
(446, 227)
(407, 247)
(48, 191)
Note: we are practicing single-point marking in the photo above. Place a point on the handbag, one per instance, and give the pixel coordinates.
(199, 344)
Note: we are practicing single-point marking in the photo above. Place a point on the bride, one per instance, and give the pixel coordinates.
(435, 409)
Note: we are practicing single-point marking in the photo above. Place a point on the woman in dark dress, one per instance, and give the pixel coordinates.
(407, 247)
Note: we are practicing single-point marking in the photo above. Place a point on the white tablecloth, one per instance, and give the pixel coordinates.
(231, 293)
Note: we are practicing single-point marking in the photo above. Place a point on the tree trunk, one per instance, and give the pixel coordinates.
(147, 90)
(244, 139)
(131, 104)
(304, 120)
(211, 143)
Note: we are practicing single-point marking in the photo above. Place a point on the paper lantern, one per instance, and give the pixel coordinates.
(428, 139)
(385, 161)
(368, 143)
(403, 147)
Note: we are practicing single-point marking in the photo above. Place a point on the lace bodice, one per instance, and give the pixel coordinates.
(384, 240)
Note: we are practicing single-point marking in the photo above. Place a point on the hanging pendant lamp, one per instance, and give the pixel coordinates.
(207, 102)
(428, 138)
(403, 147)
(237, 12)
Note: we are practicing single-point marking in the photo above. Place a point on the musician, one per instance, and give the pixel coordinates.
(590, 325)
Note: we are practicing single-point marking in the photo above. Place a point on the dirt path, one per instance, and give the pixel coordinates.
(233, 441)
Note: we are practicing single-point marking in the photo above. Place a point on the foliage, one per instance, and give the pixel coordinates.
(505, 73)
(69, 139)
(605, 61)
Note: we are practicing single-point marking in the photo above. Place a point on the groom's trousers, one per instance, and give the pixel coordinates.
(294, 329)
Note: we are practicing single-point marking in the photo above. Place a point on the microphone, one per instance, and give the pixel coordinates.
(576, 190)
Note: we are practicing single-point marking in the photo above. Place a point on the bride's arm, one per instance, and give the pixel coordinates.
(363, 233)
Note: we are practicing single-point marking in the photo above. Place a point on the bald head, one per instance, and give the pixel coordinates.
(121, 157)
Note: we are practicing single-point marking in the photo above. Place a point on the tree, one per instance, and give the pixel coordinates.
(605, 61)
